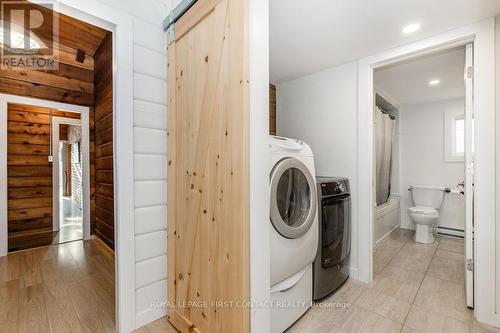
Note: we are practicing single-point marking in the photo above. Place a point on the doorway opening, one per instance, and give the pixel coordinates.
(422, 173)
(57, 157)
(32, 171)
(68, 176)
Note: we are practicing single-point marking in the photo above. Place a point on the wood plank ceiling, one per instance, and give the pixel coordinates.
(73, 81)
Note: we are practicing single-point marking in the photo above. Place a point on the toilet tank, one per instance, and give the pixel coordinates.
(427, 196)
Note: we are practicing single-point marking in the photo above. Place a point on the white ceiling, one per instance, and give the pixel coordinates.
(307, 36)
(408, 82)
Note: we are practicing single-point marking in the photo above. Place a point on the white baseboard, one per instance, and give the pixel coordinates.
(353, 273)
(407, 228)
(387, 234)
(146, 317)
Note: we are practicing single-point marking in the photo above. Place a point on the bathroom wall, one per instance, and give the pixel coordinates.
(422, 159)
(321, 109)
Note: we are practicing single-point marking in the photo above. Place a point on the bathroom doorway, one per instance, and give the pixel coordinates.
(68, 176)
(423, 169)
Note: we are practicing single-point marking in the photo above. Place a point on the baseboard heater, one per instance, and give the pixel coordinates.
(450, 232)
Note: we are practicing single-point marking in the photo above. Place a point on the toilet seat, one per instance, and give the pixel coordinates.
(421, 210)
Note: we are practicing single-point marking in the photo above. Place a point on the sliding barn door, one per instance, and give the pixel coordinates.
(208, 169)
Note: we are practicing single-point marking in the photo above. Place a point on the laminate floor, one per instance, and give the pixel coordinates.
(61, 288)
(416, 288)
(71, 227)
(160, 326)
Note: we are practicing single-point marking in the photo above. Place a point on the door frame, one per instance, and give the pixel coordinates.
(5, 100)
(469, 175)
(482, 35)
(120, 24)
(56, 209)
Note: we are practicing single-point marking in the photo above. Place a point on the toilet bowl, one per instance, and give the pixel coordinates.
(425, 214)
(424, 219)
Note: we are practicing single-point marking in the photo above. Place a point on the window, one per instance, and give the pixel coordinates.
(454, 136)
(459, 136)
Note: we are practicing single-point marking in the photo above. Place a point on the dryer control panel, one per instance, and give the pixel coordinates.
(333, 186)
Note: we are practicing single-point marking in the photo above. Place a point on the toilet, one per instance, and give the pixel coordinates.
(427, 201)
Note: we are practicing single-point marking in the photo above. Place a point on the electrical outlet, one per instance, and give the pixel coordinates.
(51, 158)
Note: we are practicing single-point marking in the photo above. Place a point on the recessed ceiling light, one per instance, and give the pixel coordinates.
(411, 28)
(434, 82)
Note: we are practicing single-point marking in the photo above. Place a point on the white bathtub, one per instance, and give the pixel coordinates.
(387, 218)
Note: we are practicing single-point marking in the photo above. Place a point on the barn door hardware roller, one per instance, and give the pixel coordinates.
(174, 16)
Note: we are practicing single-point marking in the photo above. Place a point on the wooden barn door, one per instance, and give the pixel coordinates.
(208, 169)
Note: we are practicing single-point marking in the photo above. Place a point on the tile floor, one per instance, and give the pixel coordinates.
(416, 288)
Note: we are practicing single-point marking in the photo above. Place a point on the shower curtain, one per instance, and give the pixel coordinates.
(384, 137)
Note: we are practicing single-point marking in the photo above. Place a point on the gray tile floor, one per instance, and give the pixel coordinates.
(416, 288)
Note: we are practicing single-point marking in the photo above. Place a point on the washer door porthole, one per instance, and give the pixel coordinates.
(293, 198)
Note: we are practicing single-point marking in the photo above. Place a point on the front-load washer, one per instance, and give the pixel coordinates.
(293, 230)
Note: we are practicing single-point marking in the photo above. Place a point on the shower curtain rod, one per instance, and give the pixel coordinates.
(387, 113)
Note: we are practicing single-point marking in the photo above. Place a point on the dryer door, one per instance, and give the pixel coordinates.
(293, 198)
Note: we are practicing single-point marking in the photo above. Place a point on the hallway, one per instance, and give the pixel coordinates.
(416, 288)
(71, 226)
(62, 288)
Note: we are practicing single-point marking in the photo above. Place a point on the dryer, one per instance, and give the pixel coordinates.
(293, 230)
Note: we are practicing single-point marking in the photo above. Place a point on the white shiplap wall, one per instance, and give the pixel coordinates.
(150, 152)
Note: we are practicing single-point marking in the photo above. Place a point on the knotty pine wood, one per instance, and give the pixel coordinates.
(103, 210)
(29, 175)
(208, 167)
(272, 109)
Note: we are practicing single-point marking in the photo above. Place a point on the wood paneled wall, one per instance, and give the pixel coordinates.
(272, 109)
(103, 107)
(74, 83)
(69, 84)
(29, 175)
(63, 132)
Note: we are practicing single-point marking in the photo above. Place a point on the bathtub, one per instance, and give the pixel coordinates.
(387, 218)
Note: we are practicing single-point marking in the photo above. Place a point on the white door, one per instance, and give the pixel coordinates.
(469, 176)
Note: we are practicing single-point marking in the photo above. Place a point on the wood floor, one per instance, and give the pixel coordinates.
(160, 326)
(62, 288)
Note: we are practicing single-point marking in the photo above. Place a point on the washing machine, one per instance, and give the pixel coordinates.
(294, 230)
